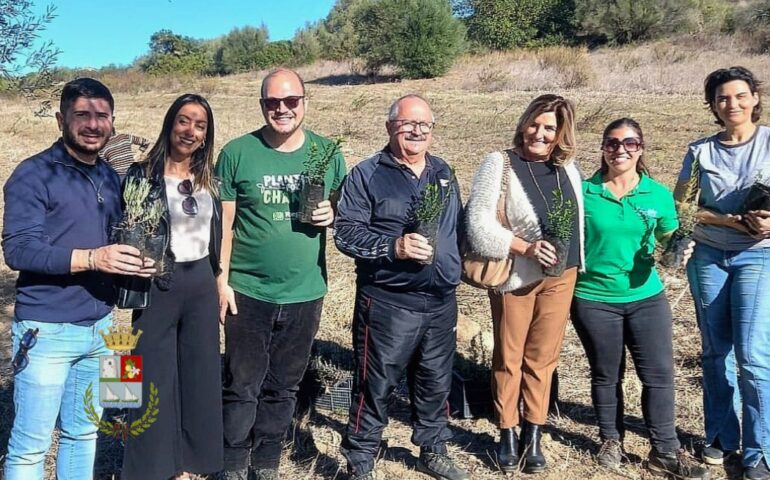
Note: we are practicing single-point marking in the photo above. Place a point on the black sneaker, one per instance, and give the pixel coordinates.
(715, 455)
(610, 454)
(242, 474)
(759, 472)
(677, 464)
(441, 467)
(265, 474)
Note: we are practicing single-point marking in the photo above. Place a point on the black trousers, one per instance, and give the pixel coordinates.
(387, 340)
(180, 351)
(267, 348)
(644, 327)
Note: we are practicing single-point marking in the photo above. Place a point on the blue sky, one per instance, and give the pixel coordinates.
(97, 33)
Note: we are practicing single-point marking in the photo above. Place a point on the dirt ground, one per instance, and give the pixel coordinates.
(476, 106)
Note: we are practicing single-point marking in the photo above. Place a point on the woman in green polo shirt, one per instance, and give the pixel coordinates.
(619, 299)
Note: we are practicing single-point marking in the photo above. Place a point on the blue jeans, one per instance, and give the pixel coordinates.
(732, 305)
(62, 364)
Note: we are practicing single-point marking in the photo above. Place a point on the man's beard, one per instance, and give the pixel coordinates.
(71, 141)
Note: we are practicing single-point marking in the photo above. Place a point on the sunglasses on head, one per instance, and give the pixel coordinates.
(631, 144)
(21, 359)
(189, 204)
(291, 102)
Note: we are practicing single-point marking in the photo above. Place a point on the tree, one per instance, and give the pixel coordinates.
(306, 46)
(420, 37)
(238, 49)
(506, 24)
(337, 34)
(25, 68)
(173, 53)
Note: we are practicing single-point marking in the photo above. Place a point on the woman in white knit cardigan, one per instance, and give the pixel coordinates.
(529, 311)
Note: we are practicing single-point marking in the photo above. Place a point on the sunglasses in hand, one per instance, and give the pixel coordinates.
(21, 359)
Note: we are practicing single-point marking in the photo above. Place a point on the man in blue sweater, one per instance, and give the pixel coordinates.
(406, 310)
(60, 206)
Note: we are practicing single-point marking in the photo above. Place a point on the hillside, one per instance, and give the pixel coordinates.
(476, 106)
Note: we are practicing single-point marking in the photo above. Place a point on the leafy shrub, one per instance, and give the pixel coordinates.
(306, 46)
(337, 33)
(752, 21)
(506, 24)
(274, 54)
(237, 50)
(171, 53)
(625, 21)
(420, 37)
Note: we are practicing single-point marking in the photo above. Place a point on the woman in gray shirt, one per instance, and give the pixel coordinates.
(729, 272)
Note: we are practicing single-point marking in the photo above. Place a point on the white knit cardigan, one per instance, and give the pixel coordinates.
(490, 239)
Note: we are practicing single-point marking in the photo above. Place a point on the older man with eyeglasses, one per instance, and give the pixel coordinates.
(406, 310)
(273, 275)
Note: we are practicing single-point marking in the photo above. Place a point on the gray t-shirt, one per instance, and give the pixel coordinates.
(726, 174)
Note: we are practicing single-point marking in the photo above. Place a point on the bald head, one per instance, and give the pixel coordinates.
(408, 101)
(281, 75)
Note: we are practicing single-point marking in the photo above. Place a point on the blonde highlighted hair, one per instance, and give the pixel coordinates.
(564, 148)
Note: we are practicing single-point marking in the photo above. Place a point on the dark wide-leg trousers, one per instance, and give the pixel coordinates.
(180, 353)
(387, 340)
(267, 348)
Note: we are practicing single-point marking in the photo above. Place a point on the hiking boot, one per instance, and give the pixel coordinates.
(508, 450)
(242, 474)
(677, 464)
(759, 472)
(534, 460)
(441, 467)
(610, 454)
(265, 474)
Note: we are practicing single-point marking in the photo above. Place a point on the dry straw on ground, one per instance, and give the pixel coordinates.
(476, 106)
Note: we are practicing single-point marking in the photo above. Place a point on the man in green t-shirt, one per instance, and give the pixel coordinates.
(273, 274)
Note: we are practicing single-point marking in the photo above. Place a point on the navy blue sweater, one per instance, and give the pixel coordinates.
(54, 204)
(374, 210)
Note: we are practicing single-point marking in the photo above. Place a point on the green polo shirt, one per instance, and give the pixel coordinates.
(620, 240)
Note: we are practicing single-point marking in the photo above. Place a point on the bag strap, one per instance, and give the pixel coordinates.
(502, 217)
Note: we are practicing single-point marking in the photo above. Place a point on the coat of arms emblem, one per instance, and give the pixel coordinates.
(120, 385)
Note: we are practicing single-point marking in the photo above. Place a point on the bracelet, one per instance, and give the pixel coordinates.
(91, 265)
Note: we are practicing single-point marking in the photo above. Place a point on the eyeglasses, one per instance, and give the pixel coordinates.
(21, 359)
(631, 144)
(410, 126)
(189, 204)
(291, 102)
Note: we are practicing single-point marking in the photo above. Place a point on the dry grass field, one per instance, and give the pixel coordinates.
(476, 105)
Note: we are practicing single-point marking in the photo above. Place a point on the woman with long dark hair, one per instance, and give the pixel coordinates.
(529, 311)
(180, 339)
(729, 272)
(619, 300)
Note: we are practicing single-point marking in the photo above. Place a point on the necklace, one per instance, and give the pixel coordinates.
(534, 180)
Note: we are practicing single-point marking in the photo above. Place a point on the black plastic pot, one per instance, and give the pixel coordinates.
(674, 253)
(310, 195)
(430, 232)
(758, 198)
(134, 236)
(155, 248)
(470, 397)
(562, 249)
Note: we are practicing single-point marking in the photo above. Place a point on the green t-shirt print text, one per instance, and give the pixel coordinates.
(275, 258)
